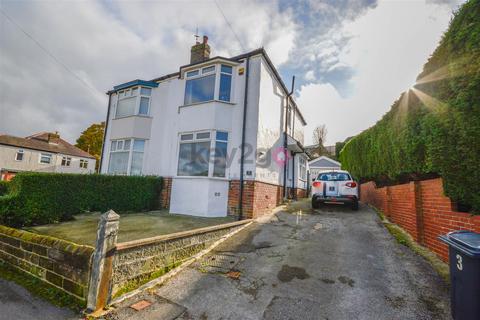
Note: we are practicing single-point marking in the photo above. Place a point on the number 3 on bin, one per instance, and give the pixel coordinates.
(459, 262)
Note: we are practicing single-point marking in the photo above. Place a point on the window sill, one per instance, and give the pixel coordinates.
(134, 115)
(200, 177)
(206, 102)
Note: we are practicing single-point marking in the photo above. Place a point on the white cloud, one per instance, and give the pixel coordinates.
(108, 43)
(387, 49)
(310, 75)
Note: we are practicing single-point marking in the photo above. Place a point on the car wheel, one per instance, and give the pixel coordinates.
(355, 205)
(315, 204)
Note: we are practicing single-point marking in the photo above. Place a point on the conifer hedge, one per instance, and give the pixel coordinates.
(434, 128)
(39, 198)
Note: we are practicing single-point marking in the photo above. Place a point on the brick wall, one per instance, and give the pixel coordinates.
(60, 263)
(422, 209)
(258, 198)
(165, 193)
(301, 193)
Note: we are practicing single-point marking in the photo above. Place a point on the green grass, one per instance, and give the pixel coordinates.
(402, 237)
(133, 226)
(40, 288)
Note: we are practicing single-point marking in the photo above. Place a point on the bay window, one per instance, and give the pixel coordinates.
(126, 157)
(134, 101)
(207, 84)
(195, 154)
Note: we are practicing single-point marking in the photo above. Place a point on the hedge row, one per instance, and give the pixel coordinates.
(434, 128)
(3, 187)
(39, 198)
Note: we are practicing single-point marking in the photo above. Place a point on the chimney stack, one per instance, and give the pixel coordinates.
(200, 51)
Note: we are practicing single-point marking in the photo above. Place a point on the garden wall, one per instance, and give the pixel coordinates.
(422, 209)
(59, 263)
(137, 262)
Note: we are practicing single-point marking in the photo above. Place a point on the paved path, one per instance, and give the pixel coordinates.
(17, 303)
(331, 264)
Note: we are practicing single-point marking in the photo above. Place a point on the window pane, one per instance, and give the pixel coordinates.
(201, 89)
(138, 145)
(192, 73)
(126, 107)
(208, 69)
(225, 85)
(143, 106)
(226, 69)
(220, 161)
(134, 91)
(45, 158)
(222, 136)
(203, 135)
(120, 145)
(188, 136)
(145, 91)
(118, 163)
(193, 159)
(114, 146)
(137, 163)
(126, 145)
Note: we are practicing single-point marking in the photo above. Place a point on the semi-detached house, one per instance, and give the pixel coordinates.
(216, 130)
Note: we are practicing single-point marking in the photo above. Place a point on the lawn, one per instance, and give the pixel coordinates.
(133, 226)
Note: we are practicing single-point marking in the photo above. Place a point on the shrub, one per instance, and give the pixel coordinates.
(433, 129)
(40, 198)
(3, 187)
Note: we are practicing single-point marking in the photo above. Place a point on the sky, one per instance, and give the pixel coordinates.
(351, 59)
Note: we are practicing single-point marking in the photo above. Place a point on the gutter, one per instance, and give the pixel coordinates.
(242, 155)
(105, 132)
(285, 137)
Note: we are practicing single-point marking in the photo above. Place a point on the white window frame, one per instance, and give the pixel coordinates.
(216, 92)
(128, 94)
(83, 164)
(49, 155)
(68, 161)
(302, 162)
(22, 152)
(130, 153)
(212, 139)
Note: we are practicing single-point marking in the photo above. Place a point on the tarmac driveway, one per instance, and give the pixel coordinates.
(332, 263)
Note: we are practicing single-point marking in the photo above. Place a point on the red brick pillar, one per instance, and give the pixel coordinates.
(417, 189)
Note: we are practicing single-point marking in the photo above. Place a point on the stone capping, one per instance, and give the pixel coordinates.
(183, 234)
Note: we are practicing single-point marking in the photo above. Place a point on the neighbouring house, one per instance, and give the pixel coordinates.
(321, 164)
(42, 152)
(215, 130)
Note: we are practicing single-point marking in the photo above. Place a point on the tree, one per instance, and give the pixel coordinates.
(319, 136)
(91, 140)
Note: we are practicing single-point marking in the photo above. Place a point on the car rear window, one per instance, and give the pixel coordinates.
(333, 176)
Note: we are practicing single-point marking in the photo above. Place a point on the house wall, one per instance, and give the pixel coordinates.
(422, 209)
(31, 161)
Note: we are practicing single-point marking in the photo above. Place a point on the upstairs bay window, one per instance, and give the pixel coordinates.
(126, 157)
(207, 84)
(133, 101)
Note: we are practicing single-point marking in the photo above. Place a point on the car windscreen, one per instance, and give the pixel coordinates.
(333, 176)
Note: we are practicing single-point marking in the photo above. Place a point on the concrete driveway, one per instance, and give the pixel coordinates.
(332, 263)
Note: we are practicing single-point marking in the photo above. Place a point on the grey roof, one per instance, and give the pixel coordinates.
(324, 163)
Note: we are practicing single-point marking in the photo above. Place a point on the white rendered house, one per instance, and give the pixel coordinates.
(215, 130)
(42, 152)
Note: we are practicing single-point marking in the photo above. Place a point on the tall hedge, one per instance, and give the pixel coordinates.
(434, 128)
(40, 198)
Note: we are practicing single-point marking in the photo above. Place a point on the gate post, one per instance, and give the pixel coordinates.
(99, 290)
